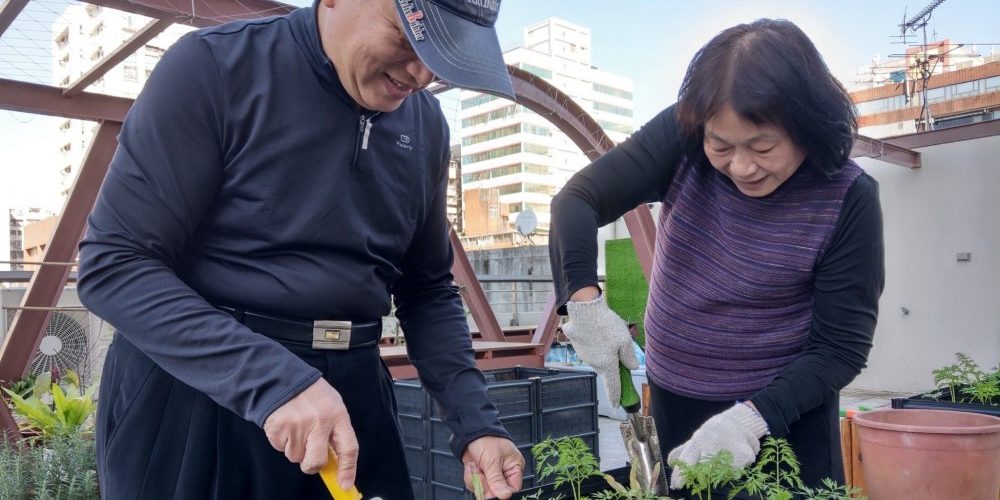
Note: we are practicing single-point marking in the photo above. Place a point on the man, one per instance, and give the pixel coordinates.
(275, 183)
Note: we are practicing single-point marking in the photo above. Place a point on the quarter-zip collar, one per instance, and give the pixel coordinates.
(305, 29)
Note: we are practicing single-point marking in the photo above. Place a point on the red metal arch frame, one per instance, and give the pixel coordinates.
(47, 282)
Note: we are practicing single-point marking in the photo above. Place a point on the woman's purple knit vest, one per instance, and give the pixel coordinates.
(730, 303)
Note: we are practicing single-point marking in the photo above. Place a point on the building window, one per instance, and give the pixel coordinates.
(491, 154)
(965, 89)
(153, 55)
(63, 37)
(530, 187)
(497, 114)
(492, 173)
(535, 149)
(611, 108)
(532, 168)
(477, 100)
(509, 189)
(535, 70)
(536, 130)
(935, 95)
(992, 84)
(615, 127)
(538, 208)
(490, 135)
(604, 89)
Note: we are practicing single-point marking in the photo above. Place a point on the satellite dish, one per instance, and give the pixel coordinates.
(526, 222)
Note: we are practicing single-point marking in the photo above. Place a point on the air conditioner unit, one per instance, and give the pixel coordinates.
(71, 340)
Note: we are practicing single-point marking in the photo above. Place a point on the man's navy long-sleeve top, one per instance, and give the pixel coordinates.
(246, 176)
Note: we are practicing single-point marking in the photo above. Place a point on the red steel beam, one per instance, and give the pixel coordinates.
(643, 231)
(536, 94)
(199, 13)
(47, 283)
(47, 100)
(881, 150)
(9, 11)
(147, 33)
(546, 330)
(472, 292)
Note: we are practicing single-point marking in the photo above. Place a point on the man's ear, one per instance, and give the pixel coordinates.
(328, 3)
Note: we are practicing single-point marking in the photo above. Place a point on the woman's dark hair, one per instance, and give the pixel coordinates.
(770, 73)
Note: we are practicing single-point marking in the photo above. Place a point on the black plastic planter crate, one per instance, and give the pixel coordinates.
(413, 430)
(534, 404)
(919, 403)
(521, 429)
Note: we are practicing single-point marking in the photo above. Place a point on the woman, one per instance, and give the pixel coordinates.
(769, 259)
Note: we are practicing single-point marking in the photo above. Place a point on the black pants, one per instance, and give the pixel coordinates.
(159, 438)
(815, 437)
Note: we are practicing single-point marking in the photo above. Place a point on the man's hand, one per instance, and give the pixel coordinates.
(737, 430)
(499, 460)
(304, 426)
(601, 339)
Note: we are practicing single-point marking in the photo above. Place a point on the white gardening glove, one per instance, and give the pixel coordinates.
(737, 430)
(601, 340)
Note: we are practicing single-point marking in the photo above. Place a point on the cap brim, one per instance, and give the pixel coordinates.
(457, 50)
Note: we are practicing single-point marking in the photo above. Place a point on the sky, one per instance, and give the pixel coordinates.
(650, 41)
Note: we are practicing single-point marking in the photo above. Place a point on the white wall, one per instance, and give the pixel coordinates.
(950, 205)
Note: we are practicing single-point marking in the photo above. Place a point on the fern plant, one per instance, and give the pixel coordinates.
(710, 474)
(568, 460)
(964, 372)
(832, 491)
(775, 475)
(982, 391)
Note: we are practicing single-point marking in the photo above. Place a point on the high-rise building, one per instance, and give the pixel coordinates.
(962, 87)
(81, 37)
(12, 243)
(455, 188)
(519, 154)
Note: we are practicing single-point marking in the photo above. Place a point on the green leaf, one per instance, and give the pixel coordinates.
(477, 487)
(43, 382)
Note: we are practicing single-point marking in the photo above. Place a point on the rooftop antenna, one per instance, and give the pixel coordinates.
(919, 22)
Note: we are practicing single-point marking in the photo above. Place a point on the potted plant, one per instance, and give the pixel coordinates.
(961, 386)
(927, 454)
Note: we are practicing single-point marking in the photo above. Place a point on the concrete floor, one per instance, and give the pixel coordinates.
(613, 450)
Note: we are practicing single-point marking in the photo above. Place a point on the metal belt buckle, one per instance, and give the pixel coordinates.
(335, 335)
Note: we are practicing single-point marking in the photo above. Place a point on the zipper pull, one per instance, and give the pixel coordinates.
(368, 129)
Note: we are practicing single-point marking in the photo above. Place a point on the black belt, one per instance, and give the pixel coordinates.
(322, 334)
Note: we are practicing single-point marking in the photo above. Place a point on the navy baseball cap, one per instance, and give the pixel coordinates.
(456, 40)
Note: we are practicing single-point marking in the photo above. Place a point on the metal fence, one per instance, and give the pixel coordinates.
(517, 300)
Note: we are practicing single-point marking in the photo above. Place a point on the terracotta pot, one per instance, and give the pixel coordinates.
(929, 454)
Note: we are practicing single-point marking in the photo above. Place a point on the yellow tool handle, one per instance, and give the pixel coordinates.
(329, 475)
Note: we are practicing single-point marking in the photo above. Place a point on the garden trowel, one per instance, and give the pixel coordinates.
(329, 475)
(641, 442)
